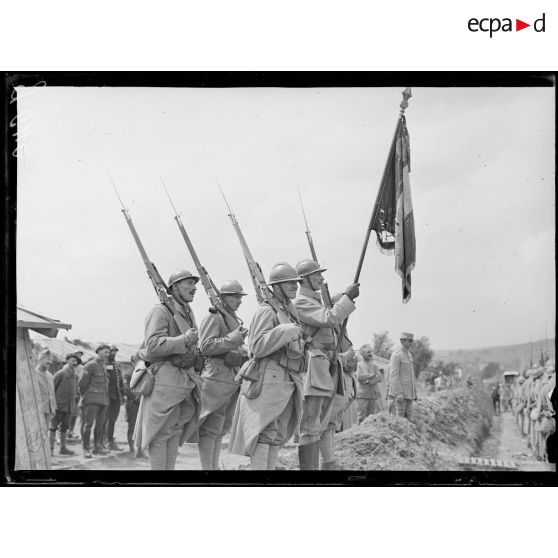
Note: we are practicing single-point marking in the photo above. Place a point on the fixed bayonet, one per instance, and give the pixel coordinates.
(210, 288)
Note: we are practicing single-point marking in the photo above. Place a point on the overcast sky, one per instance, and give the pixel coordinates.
(482, 182)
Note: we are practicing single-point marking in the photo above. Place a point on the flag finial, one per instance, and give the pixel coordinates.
(405, 102)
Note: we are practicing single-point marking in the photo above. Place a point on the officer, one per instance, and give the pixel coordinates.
(169, 415)
(402, 386)
(270, 403)
(321, 379)
(93, 388)
(221, 343)
(116, 395)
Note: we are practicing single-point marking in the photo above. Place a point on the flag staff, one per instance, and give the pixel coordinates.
(404, 104)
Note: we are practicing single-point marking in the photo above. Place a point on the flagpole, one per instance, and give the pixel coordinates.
(404, 104)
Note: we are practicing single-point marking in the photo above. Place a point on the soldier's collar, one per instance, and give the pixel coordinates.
(305, 291)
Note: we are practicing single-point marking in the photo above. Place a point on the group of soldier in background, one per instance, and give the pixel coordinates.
(531, 400)
(93, 392)
(293, 373)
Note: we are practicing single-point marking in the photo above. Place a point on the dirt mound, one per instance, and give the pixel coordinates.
(445, 425)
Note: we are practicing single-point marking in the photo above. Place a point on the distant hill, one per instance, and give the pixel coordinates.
(510, 357)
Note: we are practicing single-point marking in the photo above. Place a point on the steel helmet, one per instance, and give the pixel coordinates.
(181, 274)
(307, 267)
(233, 287)
(282, 272)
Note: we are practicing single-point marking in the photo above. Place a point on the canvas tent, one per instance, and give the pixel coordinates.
(32, 451)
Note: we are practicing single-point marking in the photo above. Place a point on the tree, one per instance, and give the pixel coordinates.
(422, 354)
(490, 370)
(382, 345)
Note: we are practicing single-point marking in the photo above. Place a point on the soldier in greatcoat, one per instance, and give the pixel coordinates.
(169, 415)
(402, 388)
(270, 402)
(93, 387)
(221, 343)
(76, 412)
(319, 324)
(65, 391)
(369, 378)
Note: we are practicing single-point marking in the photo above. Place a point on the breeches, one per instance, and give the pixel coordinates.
(314, 409)
(275, 433)
(62, 419)
(366, 407)
(96, 414)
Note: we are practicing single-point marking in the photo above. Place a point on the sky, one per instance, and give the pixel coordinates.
(482, 182)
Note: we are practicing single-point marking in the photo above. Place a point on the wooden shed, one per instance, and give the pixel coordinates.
(32, 451)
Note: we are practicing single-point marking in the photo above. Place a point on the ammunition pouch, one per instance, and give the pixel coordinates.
(192, 359)
(234, 359)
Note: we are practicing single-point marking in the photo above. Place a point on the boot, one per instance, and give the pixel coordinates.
(258, 461)
(217, 452)
(100, 451)
(272, 458)
(206, 448)
(306, 457)
(63, 449)
(51, 440)
(113, 446)
(329, 466)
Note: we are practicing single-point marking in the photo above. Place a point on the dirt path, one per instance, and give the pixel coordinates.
(506, 443)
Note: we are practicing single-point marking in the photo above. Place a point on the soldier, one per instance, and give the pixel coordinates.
(322, 378)
(533, 411)
(369, 378)
(518, 402)
(65, 391)
(169, 415)
(46, 387)
(75, 413)
(270, 403)
(221, 341)
(94, 392)
(402, 387)
(116, 396)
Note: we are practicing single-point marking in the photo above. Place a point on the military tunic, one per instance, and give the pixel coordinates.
(273, 415)
(402, 381)
(319, 324)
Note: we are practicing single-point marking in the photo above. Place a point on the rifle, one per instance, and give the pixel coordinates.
(152, 272)
(263, 292)
(210, 288)
(325, 290)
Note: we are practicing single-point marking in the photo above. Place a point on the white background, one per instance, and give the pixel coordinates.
(284, 35)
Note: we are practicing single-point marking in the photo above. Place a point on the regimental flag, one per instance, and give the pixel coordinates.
(393, 218)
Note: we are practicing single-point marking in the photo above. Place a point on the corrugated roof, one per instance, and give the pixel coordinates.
(38, 322)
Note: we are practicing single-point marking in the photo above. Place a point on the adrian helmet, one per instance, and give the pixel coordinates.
(282, 272)
(232, 286)
(180, 275)
(307, 267)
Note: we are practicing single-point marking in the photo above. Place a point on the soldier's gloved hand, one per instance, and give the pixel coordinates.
(353, 291)
(243, 330)
(191, 336)
(399, 397)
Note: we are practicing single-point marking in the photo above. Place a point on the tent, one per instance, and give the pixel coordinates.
(32, 451)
